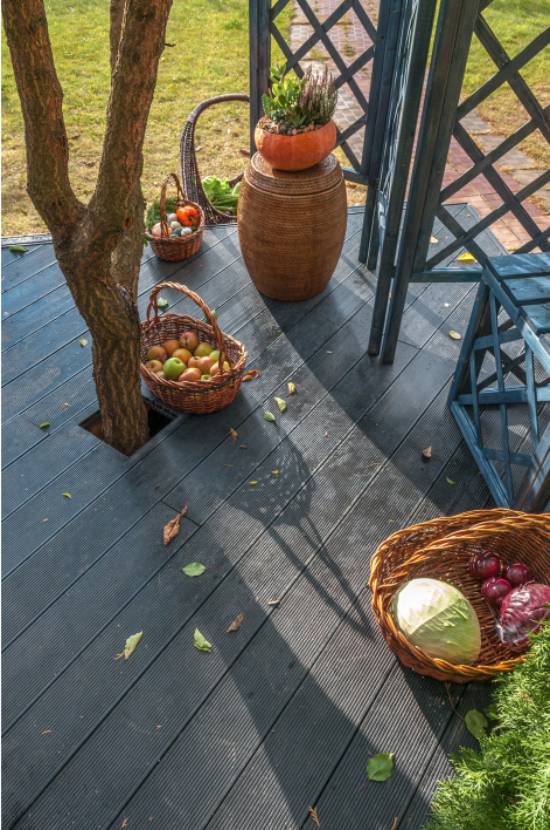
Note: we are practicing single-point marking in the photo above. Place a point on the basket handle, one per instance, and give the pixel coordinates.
(152, 309)
(188, 158)
(165, 231)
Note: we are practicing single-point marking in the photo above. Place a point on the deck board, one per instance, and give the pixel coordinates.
(283, 713)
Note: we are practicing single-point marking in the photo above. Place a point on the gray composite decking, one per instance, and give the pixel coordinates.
(284, 713)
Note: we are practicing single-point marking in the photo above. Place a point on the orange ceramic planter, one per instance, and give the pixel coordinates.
(296, 152)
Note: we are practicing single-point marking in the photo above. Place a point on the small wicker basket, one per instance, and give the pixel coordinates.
(203, 396)
(442, 549)
(175, 248)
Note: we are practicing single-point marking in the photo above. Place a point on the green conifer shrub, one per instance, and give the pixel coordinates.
(506, 785)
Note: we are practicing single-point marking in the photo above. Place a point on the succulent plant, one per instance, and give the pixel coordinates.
(295, 104)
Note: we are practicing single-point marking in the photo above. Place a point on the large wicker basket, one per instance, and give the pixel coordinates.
(175, 248)
(199, 397)
(442, 549)
(189, 167)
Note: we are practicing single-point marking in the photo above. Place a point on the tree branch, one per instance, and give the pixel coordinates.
(41, 99)
(116, 13)
(141, 43)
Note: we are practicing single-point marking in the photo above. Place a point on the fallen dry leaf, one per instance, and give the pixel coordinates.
(243, 446)
(433, 240)
(455, 335)
(275, 472)
(292, 388)
(83, 342)
(314, 816)
(426, 453)
(273, 601)
(236, 624)
(253, 482)
(124, 823)
(234, 434)
(67, 496)
(46, 732)
(172, 528)
(44, 425)
(395, 824)
(466, 257)
(281, 403)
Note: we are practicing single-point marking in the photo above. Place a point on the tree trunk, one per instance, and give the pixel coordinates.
(117, 380)
(99, 246)
(111, 313)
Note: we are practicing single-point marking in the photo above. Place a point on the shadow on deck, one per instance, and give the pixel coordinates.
(283, 714)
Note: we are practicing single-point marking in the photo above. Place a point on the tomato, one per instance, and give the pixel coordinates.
(188, 215)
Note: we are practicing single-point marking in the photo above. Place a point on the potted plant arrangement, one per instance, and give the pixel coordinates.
(297, 130)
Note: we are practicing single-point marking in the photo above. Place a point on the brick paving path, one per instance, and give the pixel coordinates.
(516, 168)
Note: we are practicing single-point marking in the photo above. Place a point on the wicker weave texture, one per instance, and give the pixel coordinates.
(199, 397)
(442, 549)
(292, 227)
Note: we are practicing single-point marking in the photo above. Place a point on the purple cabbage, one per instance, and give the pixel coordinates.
(522, 612)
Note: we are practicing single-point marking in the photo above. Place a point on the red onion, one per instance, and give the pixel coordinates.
(484, 566)
(522, 611)
(518, 573)
(495, 589)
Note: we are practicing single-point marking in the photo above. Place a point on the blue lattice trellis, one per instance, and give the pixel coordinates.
(413, 258)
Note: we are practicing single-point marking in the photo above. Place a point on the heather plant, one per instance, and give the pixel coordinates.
(506, 786)
(297, 104)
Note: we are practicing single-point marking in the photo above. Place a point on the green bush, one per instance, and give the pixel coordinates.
(506, 786)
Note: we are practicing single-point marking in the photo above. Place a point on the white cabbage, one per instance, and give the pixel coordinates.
(439, 619)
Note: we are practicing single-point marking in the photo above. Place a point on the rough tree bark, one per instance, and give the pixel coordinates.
(98, 245)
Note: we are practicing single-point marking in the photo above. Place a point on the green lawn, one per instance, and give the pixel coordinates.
(515, 23)
(210, 56)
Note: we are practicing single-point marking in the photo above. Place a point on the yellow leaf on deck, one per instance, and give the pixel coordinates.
(466, 257)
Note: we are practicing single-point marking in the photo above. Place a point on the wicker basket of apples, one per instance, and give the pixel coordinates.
(190, 364)
(177, 235)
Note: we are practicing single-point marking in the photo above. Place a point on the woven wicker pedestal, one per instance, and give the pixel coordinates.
(291, 227)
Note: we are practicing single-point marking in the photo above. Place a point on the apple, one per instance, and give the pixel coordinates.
(157, 353)
(203, 349)
(182, 354)
(215, 355)
(190, 374)
(215, 369)
(173, 368)
(170, 346)
(154, 366)
(206, 377)
(189, 340)
(204, 364)
(193, 363)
